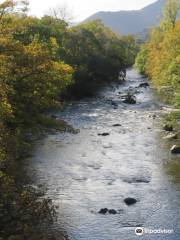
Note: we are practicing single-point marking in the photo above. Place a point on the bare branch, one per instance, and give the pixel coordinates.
(62, 12)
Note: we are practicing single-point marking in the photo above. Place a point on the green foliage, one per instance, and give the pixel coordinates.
(32, 79)
(22, 215)
(97, 55)
(40, 61)
(173, 119)
(141, 59)
(159, 58)
(170, 14)
(130, 48)
(32, 76)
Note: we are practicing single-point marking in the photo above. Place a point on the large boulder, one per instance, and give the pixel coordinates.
(130, 201)
(175, 149)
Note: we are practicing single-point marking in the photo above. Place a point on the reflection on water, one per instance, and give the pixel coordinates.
(173, 169)
(86, 172)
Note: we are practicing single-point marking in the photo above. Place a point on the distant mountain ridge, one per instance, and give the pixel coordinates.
(132, 22)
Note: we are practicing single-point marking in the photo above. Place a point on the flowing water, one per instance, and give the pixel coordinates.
(86, 172)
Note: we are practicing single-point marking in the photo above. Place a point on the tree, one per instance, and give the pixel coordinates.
(159, 57)
(130, 49)
(170, 14)
(97, 55)
(31, 75)
(141, 59)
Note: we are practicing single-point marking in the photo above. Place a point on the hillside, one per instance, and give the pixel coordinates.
(131, 22)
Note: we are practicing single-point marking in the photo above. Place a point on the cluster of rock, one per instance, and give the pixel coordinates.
(106, 210)
(130, 99)
(172, 136)
(128, 201)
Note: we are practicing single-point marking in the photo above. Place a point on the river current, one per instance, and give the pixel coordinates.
(86, 172)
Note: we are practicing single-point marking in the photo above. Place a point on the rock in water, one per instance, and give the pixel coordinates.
(137, 180)
(103, 134)
(130, 99)
(144, 85)
(175, 149)
(130, 201)
(112, 211)
(117, 125)
(103, 211)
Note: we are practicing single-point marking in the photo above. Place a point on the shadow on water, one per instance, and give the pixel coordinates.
(173, 169)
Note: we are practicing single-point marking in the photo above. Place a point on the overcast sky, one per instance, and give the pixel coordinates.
(81, 9)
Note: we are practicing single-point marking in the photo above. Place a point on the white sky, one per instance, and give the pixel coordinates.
(81, 9)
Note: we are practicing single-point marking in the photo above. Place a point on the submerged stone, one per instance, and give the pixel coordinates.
(137, 180)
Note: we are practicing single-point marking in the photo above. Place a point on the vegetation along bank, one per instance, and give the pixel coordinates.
(159, 59)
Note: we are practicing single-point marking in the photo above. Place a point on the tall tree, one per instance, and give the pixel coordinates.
(170, 14)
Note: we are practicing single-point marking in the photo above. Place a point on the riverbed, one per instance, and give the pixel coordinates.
(85, 172)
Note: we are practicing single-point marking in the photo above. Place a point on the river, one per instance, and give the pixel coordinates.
(85, 172)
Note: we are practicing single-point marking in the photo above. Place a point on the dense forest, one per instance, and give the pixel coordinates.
(159, 58)
(43, 62)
